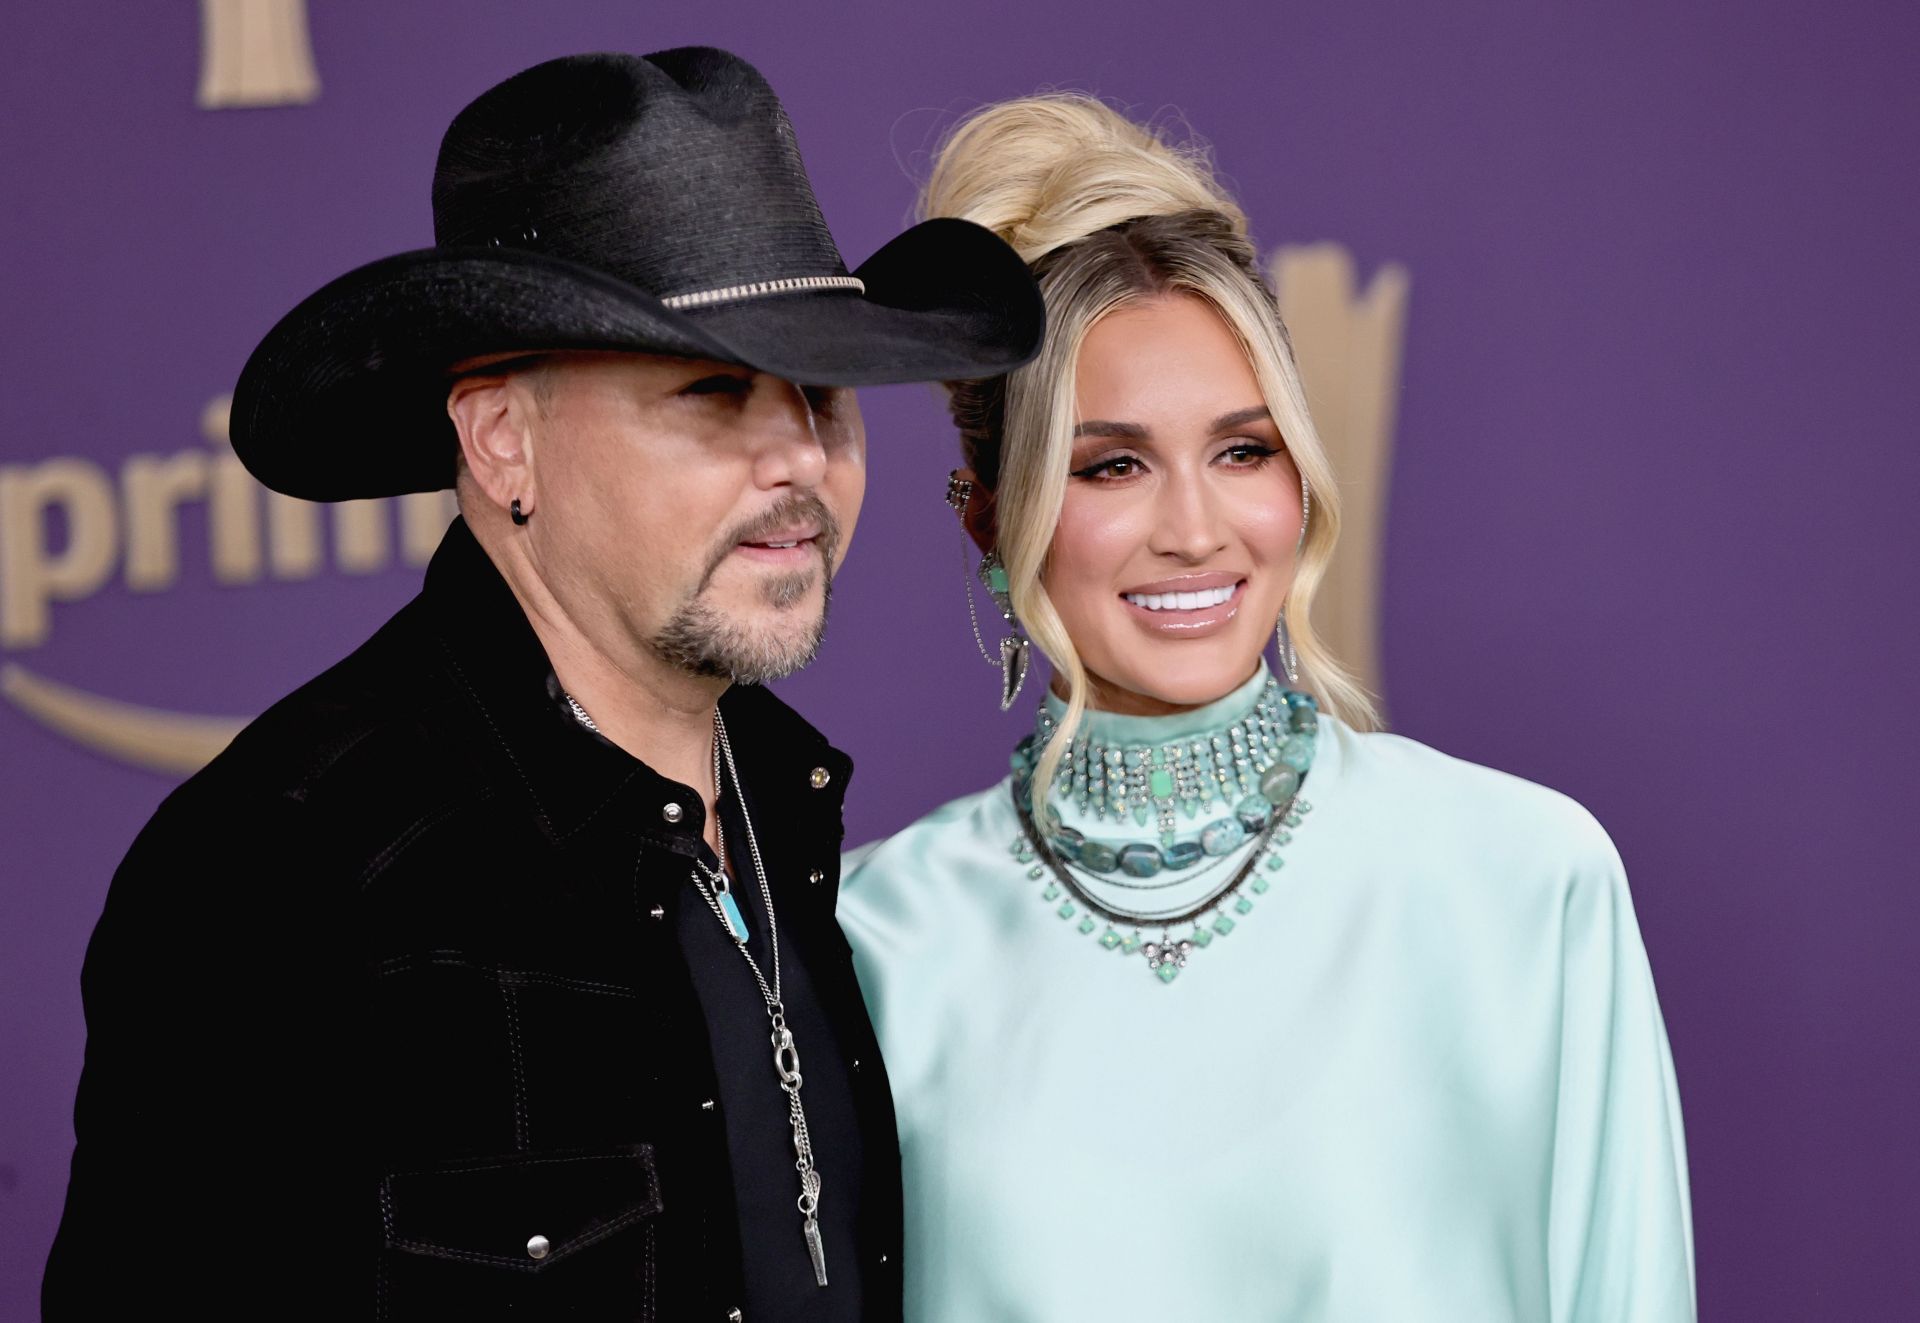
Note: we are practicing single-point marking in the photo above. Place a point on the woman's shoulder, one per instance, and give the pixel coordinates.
(929, 848)
(940, 874)
(969, 815)
(1421, 795)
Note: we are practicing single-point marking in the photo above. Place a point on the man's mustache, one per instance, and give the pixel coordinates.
(796, 508)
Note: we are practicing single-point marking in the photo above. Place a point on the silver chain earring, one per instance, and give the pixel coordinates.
(992, 574)
(1283, 644)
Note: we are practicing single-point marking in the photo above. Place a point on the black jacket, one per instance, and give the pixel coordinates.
(391, 987)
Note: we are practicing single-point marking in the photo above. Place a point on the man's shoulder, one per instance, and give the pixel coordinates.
(375, 728)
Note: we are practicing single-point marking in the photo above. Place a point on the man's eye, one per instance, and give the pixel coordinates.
(720, 383)
(824, 399)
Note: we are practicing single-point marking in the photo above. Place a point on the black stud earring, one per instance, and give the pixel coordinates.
(518, 517)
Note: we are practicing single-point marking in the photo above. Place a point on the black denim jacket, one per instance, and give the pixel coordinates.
(391, 988)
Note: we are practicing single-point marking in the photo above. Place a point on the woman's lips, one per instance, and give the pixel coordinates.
(1186, 622)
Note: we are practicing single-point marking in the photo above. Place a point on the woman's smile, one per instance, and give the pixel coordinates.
(1186, 606)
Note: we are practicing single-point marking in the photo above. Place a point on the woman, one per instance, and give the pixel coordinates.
(1218, 1007)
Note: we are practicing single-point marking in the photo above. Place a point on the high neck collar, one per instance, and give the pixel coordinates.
(1117, 729)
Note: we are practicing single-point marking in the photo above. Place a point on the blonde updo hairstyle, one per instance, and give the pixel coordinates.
(1106, 212)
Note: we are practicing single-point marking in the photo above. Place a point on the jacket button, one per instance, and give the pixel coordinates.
(819, 777)
(658, 911)
(538, 1248)
(734, 1316)
(672, 812)
(816, 877)
(707, 1106)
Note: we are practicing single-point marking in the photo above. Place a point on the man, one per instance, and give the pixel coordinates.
(477, 978)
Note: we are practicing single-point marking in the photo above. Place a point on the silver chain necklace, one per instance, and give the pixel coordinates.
(716, 889)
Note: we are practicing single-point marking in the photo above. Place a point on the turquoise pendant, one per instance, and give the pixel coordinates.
(736, 922)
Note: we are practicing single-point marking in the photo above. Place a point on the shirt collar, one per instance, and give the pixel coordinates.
(577, 780)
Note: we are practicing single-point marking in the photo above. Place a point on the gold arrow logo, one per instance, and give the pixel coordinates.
(148, 737)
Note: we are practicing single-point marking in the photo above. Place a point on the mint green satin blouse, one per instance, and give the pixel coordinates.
(1425, 1079)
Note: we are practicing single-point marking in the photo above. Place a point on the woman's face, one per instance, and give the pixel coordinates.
(1175, 546)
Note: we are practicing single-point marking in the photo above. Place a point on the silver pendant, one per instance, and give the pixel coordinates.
(786, 1060)
(1013, 669)
(817, 1248)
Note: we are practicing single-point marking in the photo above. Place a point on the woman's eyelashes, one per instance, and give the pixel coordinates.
(1249, 454)
(1109, 468)
(1118, 467)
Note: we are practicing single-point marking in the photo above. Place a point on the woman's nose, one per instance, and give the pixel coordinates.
(1187, 522)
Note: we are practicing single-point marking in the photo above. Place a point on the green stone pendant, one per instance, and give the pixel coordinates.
(735, 921)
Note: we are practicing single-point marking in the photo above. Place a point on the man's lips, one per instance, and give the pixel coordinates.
(785, 537)
(786, 548)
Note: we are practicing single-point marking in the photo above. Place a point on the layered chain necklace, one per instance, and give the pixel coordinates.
(1257, 765)
(716, 889)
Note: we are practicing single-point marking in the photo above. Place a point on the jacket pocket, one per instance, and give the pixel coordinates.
(527, 1212)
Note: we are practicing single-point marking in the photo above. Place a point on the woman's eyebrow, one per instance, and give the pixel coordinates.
(1226, 422)
(1097, 427)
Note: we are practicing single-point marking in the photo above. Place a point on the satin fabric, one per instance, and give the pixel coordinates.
(1425, 1079)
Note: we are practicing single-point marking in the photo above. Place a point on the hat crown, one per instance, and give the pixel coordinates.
(677, 172)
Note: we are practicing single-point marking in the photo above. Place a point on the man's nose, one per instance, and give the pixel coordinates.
(791, 451)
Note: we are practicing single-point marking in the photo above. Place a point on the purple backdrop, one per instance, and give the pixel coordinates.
(1649, 538)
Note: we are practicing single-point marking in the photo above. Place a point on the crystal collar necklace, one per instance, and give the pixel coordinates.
(1256, 764)
(716, 888)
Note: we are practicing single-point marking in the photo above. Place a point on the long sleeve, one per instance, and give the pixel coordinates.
(1620, 1231)
(215, 1165)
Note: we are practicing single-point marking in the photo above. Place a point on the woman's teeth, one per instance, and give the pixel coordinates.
(1199, 601)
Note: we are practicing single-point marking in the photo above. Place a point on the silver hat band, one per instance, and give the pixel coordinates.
(706, 298)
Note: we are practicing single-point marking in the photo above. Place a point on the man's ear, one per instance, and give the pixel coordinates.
(491, 414)
(978, 515)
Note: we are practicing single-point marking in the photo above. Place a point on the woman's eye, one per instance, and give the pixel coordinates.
(1119, 466)
(1250, 455)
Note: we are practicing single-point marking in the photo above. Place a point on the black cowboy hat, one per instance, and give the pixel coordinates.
(654, 204)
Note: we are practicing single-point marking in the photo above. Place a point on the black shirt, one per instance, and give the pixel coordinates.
(777, 1269)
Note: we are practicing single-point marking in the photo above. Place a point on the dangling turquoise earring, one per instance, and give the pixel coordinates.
(993, 577)
(1013, 648)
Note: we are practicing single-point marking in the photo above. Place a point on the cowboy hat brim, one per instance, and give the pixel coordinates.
(346, 397)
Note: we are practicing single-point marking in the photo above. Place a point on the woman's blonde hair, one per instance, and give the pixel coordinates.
(1107, 212)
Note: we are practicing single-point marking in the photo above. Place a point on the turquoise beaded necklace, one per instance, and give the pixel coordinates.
(1257, 764)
